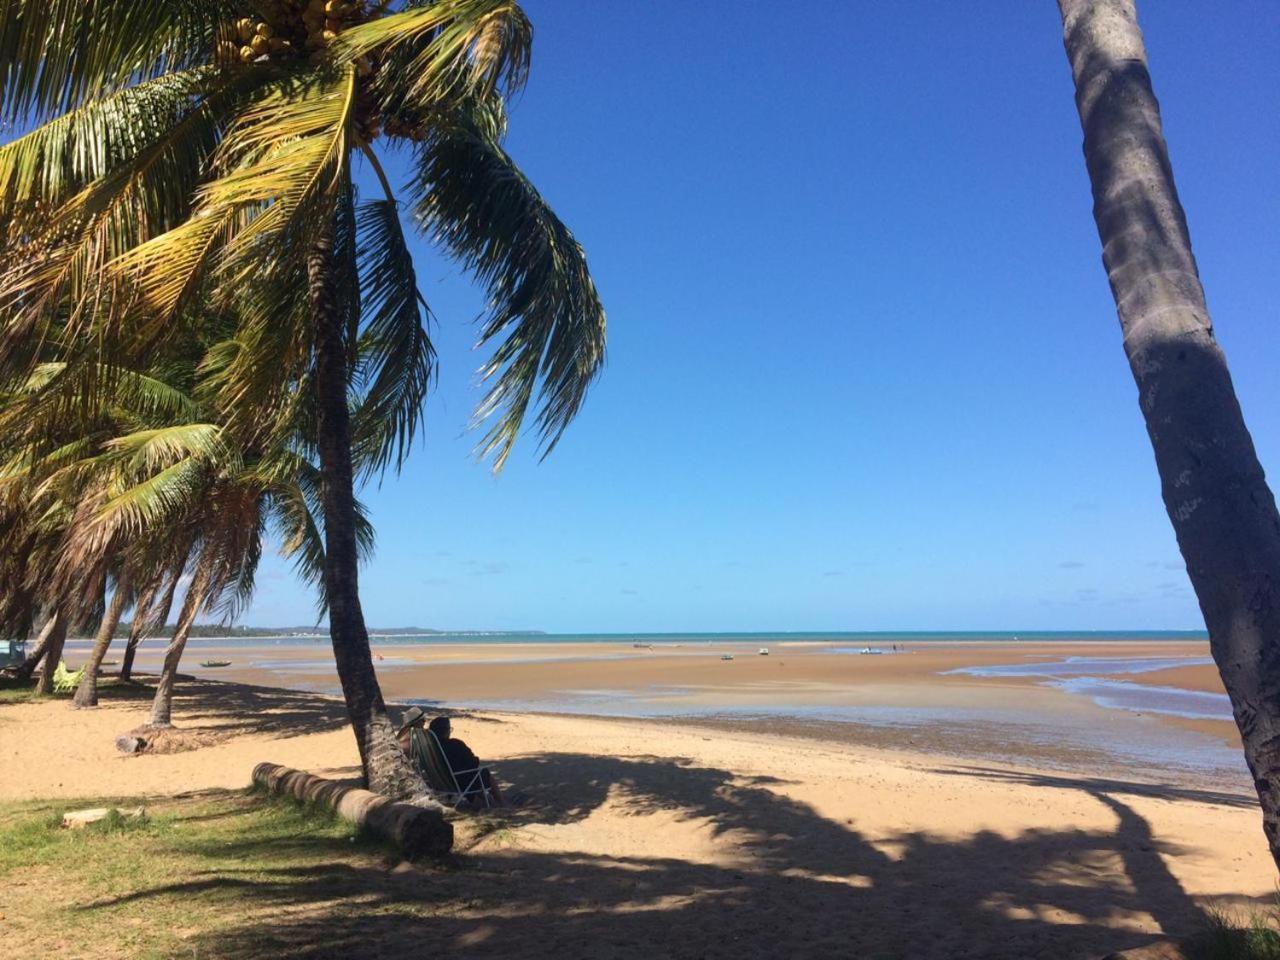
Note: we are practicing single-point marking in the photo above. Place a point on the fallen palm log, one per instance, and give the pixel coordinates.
(417, 831)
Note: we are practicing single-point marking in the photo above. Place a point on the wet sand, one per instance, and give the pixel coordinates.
(907, 700)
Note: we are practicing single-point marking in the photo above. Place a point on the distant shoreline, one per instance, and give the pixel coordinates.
(860, 637)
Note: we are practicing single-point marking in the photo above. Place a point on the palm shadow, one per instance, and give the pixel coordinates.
(237, 709)
(782, 880)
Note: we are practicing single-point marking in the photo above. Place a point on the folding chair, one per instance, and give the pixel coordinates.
(429, 755)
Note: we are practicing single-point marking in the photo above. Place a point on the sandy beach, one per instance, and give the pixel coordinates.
(958, 843)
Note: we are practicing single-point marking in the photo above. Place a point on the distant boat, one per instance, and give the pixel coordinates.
(727, 656)
(764, 651)
(870, 650)
(216, 663)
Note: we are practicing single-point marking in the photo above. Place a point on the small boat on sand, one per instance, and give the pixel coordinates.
(870, 650)
(216, 663)
(727, 656)
(763, 651)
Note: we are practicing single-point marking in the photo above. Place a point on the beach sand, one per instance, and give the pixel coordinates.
(652, 837)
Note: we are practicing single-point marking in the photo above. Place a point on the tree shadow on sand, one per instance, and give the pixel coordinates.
(236, 709)
(792, 883)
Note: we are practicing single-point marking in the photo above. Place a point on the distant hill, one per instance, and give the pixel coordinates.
(242, 632)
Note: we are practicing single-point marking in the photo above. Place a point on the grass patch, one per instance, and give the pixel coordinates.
(21, 691)
(1232, 936)
(188, 868)
(109, 688)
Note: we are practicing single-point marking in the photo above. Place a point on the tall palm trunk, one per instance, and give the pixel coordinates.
(1214, 491)
(53, 656)
(87, 692)
(144, 623)
(162, 705)
(43, 642)
(386, 770)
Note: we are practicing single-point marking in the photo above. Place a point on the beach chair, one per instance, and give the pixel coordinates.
(64, 681)
(429, 755)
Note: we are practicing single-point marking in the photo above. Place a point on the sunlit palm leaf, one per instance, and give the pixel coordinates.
(444, 50)
(280, 165)
(61, 157)
(149, 450)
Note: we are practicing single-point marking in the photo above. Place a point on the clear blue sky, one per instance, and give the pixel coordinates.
(864, 369)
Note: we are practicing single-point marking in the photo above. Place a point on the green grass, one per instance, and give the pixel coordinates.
(20, 691)
(180, 870)
(109, 688)
(1231, 936)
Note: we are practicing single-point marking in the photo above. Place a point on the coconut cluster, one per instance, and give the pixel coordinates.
(289, 28)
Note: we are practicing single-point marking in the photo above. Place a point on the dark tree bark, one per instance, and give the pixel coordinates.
(87, 693)
(1222, 510)
(43, 642)
(162, 705)
(144, 622)
(386, 770)
(53, 655)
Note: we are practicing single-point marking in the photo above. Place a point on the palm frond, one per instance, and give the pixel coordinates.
(158, 503)
(145, 451)
(546, 322)
(444, 50)
(395, 359)
(144, 396)
(280, 165)
(59, 54)
(61, 157)
(118, 215)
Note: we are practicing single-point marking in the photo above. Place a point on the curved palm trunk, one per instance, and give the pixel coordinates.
(386, 769)
(143, 624)
(43, 642)
(1214, 490)
(87, 692)
(53, 655)
(162, 705)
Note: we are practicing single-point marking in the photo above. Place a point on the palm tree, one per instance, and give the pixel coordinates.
(150, 613)
(48, 644)
(224, 136)
(121, 596)
(1214, 490)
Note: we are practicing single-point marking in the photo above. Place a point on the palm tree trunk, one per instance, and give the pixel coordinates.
(53, 656)
(162, 705)
(1214, 490)
(143, 624)
(43, 642)
(87, 692)
(386, 769)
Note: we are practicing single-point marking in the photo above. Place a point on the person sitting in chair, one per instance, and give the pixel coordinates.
(458, 754)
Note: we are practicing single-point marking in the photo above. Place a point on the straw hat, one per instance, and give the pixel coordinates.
(410, 717)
